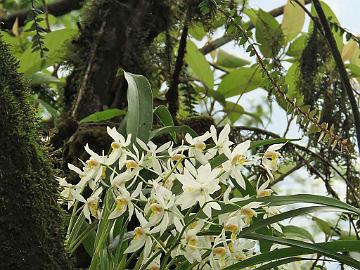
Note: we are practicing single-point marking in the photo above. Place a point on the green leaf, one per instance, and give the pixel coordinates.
(299, 248)
(51, 110)
(171, 129)
(228, 60)
(30, 62)
(218, 160)
(323, 225)
(211, 93)
(198, 64)
(256, 144)
(103, 115)
(165, 118)
(197, 31)
(293, 19)
(234, 111)
(164, 115)
(39, 78)
(261, 223)
(269, 34)
(299, 232)
(273, 265)
(140, 107)
(309, 198)
(297, 46)
(292, 199)
(354, 69)
(240, 81)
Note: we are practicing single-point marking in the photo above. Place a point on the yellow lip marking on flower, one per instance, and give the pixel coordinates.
(93, 205)
(121, 203)
(138, 232)
(248, 212)
(115, 145)
(177, 157)
(191, 241)
(103, 174)
(200, 146)
(156, 208)
(193, 225)
(92, 163)
(231, 228)
(240, 257)
(131, 164)
(273, 156)
(238, 160)
(265, 193)
(154, 267)
(221, 251)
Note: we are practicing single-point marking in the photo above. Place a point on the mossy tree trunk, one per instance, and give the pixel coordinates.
(31, 221)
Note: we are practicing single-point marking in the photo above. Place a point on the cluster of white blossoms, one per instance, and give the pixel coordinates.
(174, 195)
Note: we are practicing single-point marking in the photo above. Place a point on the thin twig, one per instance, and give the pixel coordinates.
(341, 68)
(217, 43)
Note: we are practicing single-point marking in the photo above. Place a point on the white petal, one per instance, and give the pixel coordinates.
(224, 134)
(241, 148)
(77, 196)
(89, 151)
(163, 147)
(213, 133)
(140, 217)
(147, 248)
(75, 169)
(136, 244)
(142, 144)
(275, 147)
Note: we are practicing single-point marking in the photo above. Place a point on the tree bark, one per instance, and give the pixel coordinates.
(31, 221)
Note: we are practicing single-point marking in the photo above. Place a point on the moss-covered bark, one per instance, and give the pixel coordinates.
(31, 225)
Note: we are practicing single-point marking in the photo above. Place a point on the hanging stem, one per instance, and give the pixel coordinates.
(341, 68)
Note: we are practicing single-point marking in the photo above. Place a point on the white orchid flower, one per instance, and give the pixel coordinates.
(241, 249)
(198, 146)
(142, 237)
(91, 204)
(238, 158)
(123, 201)
(163, 210)
(68, 191)
(197, 186)
(118, 146)
(93, 169)
(222, 142)
(271, 157)
(151, 159)
(248, 212)
(191, 245)
(263, 191)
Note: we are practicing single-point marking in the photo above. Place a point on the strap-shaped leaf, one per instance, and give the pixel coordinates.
(103, 115)
(328, 249)
(169, 130)
(140, 107)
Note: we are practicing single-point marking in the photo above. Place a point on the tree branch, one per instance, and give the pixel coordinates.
(226, 39)
(58, 8)
(341, 68)
(172, 95)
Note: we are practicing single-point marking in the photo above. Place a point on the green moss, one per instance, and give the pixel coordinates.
(31, 222)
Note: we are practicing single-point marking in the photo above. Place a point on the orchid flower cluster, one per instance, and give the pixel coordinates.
(173, 195)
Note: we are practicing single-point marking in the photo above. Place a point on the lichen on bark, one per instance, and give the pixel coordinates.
(31, 221)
